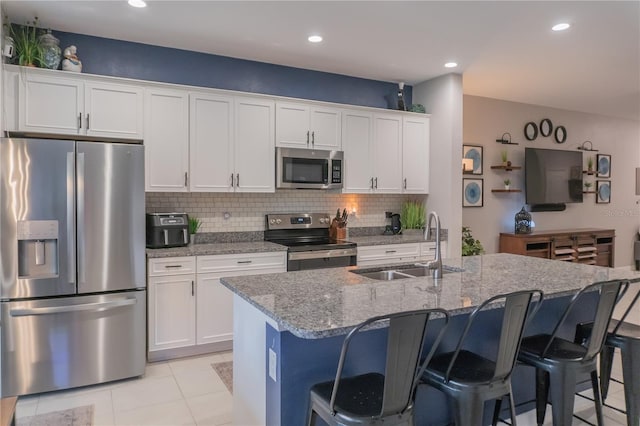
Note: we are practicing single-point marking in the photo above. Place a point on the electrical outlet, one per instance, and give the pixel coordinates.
(388, 215)
(273, 359)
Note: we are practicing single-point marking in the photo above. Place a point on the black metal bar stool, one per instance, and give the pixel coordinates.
(558, 362)
(374, 398)
(470, 379)
(626, 337)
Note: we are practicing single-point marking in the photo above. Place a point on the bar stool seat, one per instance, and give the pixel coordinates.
(470, 379)
(559, 362)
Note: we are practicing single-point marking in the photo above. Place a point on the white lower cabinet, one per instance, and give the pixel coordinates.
(399, 253)
(188, 306)
(172, 303)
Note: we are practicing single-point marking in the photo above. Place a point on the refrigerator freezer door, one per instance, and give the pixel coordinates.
(61, 343)
(37, 223)
(110, 215)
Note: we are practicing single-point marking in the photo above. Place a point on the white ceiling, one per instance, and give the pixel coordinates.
(505, 49)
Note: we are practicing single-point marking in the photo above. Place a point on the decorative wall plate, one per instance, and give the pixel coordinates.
(546, 127)
(560, 134)
(530, 131)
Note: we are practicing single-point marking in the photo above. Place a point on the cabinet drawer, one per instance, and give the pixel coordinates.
(228, 263)
(172, 266)
(391, 253)
(428, 249)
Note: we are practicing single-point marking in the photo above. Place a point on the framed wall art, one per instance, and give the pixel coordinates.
(473, 152)
(603, 164)
(603, 191)
(472, 192)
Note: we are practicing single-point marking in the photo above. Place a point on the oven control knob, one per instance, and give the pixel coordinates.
(278, 221)
(272, 221)
(322, 220)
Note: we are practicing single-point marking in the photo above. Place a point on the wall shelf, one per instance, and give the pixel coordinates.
(506, 168)
(590, 173)
(506, 190)
(588, 192)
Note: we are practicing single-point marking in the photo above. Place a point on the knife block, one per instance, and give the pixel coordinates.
(336, 232)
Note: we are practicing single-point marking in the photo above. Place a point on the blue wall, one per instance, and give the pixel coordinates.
(146, 62)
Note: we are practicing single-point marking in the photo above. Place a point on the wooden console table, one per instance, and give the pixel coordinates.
(588, 245)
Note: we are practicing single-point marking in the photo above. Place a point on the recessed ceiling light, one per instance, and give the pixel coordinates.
(451, 65)
(315, 39)
(137, 3)
(561, 27)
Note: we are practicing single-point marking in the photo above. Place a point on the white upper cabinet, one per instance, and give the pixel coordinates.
(211, 143)
(53, 104)
(387, 153)
(167, 140)
(301, 125)
(415, 154)
(254, 145)
(357, 131)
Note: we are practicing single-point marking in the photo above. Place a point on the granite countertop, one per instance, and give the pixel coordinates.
(216, 248)
(327, 302)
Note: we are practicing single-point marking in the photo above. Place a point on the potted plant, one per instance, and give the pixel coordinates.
(194, 226)
(470, 246)
(413, 216)
(507, 183)
(587, 186)
(503, 155)
(590, 164)
(26, 43)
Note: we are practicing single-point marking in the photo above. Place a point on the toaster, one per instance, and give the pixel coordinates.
(167, 230)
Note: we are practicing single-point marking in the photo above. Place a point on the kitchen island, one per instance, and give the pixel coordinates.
(289, 327)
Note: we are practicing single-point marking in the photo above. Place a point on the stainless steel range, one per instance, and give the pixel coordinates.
(307, 237)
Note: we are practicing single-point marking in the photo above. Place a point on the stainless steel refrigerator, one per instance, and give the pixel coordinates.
(72, 268)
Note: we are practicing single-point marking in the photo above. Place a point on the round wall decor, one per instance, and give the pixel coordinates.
(560, 134)
(546, 128)
(530, 131)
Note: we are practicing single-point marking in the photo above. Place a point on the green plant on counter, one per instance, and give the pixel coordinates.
(194, 224)
(26, 43)
(503, 155)
(470, 246)
(412, 215)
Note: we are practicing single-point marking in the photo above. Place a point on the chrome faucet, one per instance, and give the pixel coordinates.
(436, 264)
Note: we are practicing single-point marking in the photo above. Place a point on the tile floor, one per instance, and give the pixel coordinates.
(189, 392)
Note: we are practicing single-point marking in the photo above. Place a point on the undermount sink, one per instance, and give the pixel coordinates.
(384, 275)
(399, 273)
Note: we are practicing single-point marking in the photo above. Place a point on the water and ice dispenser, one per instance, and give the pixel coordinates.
(37, 249)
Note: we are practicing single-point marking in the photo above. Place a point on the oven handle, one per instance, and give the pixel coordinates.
(321, 254)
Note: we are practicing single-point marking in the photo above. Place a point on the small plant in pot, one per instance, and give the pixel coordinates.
(587, 186)
(590, 164)
(413, 216)
(194, 226)
(507, 183)
(26, 43)
(470, 246)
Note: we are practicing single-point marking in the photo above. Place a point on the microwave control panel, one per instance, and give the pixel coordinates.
(336, 171)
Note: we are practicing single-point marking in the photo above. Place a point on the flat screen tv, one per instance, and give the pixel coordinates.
(552, 178)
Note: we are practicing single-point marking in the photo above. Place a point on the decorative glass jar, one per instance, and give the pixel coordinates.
(523, 222)
(51, 53)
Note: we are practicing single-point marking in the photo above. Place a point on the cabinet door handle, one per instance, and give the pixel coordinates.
(80, 121)
(172, 266)
(88, 126)
(232, 180)
(193, 288)
(390, 251)
(237, 180)
(371, 183)
(186, 181)
(376, 180)
(313, 138)
(307, 137)
(244, 261)
(405, 183)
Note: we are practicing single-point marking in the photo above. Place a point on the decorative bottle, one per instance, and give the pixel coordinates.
(51, 52)
(401, 105)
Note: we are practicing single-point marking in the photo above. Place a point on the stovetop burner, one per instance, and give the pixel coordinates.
(302, 232)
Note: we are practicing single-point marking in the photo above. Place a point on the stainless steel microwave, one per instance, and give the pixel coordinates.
(309, 168)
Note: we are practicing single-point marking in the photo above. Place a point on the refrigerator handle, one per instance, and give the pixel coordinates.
(97, 307)
(80, 217)
(71, 238)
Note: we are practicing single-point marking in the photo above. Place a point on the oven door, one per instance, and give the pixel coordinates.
(320, 259)
(308, 169)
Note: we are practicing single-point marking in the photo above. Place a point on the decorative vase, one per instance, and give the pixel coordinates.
(506, 187)
(51, 53)
(523, 222)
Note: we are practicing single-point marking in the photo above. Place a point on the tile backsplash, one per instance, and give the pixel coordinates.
(245, 212)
